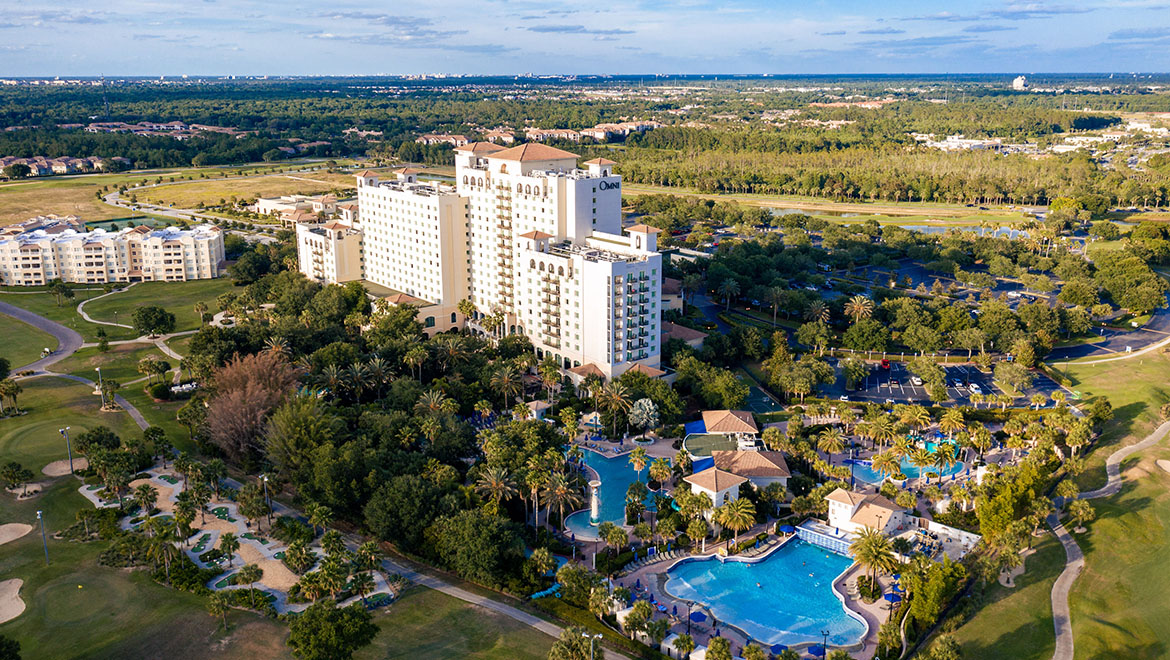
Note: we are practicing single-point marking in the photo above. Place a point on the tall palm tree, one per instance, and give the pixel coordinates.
(414, 359)
(560, 493)
(495, 483)
(434, 402)
(660, 470)
(922, 459)
(614, 398)
(550, 375)
(859, 307)
(944, 457)
(145, 496)
(831, 441)
(776, 297)
(817, 311)
(952, 422)
(319, 516)
(379, 373)
(728, 288)
(691, 284)
(638, 460)
(884, 429)
(737, 515)
(333, 379)
(874, 551)
(886, 464)
(916, 417)
(250, 574)
(506, 381)
(357, 377)
(362, 584)
(536, 479)
(200, 310)
(228, 544)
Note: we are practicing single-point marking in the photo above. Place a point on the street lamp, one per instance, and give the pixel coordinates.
(264, 478)
(44, 541)
(100, 390)
(591, 638)
(65, 432)
(825, 644)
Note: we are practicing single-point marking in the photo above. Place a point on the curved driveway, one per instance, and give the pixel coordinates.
(1114, 342)
(68, 340)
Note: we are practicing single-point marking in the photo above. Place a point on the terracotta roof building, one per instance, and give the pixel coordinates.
(729, 421)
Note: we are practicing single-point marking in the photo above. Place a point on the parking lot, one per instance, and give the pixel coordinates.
(897, 384)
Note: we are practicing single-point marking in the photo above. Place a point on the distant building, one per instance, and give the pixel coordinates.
(45, 250)
(671, 294)
(443, 138)
(500, 137)
(689, 336)
(1020, 83)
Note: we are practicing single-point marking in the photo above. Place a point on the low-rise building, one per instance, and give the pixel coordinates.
(850, 512)
(442, 138)
(719, 485)
(761, 468)
(688, 336)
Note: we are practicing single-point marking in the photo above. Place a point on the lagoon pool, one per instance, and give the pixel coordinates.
(863, 471)
(786, 598)
(616, 474)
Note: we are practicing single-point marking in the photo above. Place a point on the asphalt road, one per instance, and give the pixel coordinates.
(1119, 341)
(68, 340)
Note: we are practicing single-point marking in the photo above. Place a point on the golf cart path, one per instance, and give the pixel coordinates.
(1074, 558)
(68, 340)
(81, 308)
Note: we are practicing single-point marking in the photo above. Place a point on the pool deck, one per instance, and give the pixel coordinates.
(654, 577)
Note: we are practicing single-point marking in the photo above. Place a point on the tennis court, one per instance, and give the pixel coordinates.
(760, 403)
(702, 444)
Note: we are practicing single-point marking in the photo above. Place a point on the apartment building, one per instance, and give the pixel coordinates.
(330, 253)
(527, 236)
(40, 255)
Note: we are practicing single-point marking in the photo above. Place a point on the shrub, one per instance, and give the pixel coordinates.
(186, 576)
(159, 391)
(869, 588)
(287, 530)
(214, 554)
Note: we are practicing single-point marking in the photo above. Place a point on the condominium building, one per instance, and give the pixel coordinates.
(527, 236)
(131, 255)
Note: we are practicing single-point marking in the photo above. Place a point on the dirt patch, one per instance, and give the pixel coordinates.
(13, 531)
(61, 468)
(215, 524)
(1164, 464)
(163, 501)
(276, 574)
(28, 491)
(10, 603)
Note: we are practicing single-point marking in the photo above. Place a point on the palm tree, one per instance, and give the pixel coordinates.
(367, 555)
(1081, 512)
(200, 310)
(916, 417)
(357, 378)
(691, 284)
(615, 398)
(378, 372)
(218, 606)
(638, 460)
(506, 381)
(884, 430)
(414, 359)
(831, 441)
(10, 389)
(560, 493)
(737, 515)
(434, 402)
(319, 516)
(214, 471)
(776, 297)
(817, 311)
(494, 483)
(902, 446)
(859, 307)
(250, 574)
(550, 375)
(728, 288)
(944, 457)
(952, 422)
(873, 550)
(922, 459)
(886, 464)
(660, 470)
(684, 644)
(228, 544)
(333, 379)
(362, 584)
(162, 548)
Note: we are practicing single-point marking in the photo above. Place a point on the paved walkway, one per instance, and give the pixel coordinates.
(68, 340)
(1074, 558)
(81, 308)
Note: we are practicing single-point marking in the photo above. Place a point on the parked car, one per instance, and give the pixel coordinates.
(885, 364)
(916, 381)
(975, 389)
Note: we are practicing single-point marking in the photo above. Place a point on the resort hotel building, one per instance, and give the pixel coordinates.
(43, 249)
(531, 239)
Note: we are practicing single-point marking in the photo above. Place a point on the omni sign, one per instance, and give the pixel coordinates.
(606, 185)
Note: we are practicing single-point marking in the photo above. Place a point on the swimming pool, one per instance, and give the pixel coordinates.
(863, 471)
(616, 475)
(786, 598)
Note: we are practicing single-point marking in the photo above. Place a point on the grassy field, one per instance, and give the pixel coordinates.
(52, 403)
(66, 314)
(178, 298)
(24, 342)
(119, 363)
(1119, 604)
(180, 345)
(210, 192)
(160, 414)
(1017, 623)
(1137, 387)
(430, 624)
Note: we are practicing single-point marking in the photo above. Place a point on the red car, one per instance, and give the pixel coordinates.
(885, 364)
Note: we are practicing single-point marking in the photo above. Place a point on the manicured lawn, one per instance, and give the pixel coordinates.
(76, 608)
(66, 314)
(52, 403)
(178, 298)
(430, 624)
(210, 192)
(160, 414)
(23, 342)
(1119, 603)
(119, 363)
(1017, 623)
(1136, 387)
(180, 345)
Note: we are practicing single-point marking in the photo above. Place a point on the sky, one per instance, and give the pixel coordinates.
(369, 37)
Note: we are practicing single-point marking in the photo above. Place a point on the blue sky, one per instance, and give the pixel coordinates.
(341, 37)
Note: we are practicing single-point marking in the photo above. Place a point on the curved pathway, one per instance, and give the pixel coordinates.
(81, 308)
(68, 340)
(1074, 558)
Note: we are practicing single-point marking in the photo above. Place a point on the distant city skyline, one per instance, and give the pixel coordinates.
(505, 37)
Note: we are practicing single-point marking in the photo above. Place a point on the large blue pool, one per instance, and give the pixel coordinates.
(863, 471)
(616, 475)
(785, 599)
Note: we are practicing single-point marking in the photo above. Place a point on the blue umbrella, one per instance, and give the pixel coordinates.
(674, 612)
(893, 598)
(898, 588)
(698, 617)
(787, 529)
(779, 648)
(638, 584)
(718, 633)
(817, 649)
(757, 544)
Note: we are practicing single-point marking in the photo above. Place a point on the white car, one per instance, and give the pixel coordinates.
(843, 397)
(975, 389)
(916, 381)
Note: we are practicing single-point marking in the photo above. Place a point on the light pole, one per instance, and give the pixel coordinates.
(825, 644)
(65, 432)
(101, 391)
(44, 541)
(264, 478)
(591, 638)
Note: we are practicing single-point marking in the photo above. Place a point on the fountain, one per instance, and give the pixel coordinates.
(594, 503)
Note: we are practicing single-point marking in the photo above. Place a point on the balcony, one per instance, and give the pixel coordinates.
(549, 278)
(551, 289)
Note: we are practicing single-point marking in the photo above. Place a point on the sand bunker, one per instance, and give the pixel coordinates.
(276, 574)
(163, 501)
(10, 603)
(28, 491)
(61, 468)
(13, 531)
(1164, 464)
